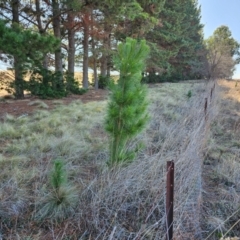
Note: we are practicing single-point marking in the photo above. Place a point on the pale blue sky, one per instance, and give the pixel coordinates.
(221, 12)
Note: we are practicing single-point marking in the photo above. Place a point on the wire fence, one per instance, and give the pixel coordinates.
(131, 203)
(188, 180)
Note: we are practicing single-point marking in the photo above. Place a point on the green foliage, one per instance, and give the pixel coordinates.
(189, 94)
(219, 235)
(29, 48)
(151, 78)
(177, 48)
(103, 81)
(72, 85)
(126, 115)
(58, 175)
(62, 198)
(139, 15)
(223, 36)
(223, 53)
(47, 84)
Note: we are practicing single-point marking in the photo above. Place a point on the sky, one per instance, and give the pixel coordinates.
(221, 12)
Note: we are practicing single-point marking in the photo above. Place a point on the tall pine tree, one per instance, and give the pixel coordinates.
(177, 49)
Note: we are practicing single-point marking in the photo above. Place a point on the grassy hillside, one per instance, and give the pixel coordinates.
(96, 203)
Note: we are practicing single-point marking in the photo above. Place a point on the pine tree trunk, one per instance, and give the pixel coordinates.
(104, 65)
(95, 71)
(71, 45)
(19, 93)
(85, 50)
(108, 69)
(57, 34)
(45, 62)
(103, 60)
(95, 78)
(41, 30)
(109, 56)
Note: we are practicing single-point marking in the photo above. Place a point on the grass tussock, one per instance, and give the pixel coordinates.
(124, 203)
(39, 104)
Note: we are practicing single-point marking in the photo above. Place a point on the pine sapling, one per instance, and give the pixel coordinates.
(189, 94)
(126, 115)
(60, 201)
(58, 175)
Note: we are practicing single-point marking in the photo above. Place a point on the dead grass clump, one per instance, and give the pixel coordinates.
(38, 103)
(58, 102)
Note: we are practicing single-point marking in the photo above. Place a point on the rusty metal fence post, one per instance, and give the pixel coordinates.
(205, 108)
(211, 94)
(169, 199)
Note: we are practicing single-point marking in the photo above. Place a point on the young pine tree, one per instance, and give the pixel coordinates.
(126, 115)
(61, 199)
(28, 48)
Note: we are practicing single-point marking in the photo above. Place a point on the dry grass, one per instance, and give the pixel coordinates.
(222, 165)
(38, 103)
(123, 203)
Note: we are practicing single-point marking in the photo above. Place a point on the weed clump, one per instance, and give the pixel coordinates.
(189, 94)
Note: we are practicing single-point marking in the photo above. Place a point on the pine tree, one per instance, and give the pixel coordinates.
(122, 19)
(191, 58)
(177, 48)
(28, 47)
(126, 115)
(59, 203)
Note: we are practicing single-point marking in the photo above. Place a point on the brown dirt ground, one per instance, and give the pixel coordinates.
(8, 105)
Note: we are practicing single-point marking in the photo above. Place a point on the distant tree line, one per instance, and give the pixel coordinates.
(48, 38)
